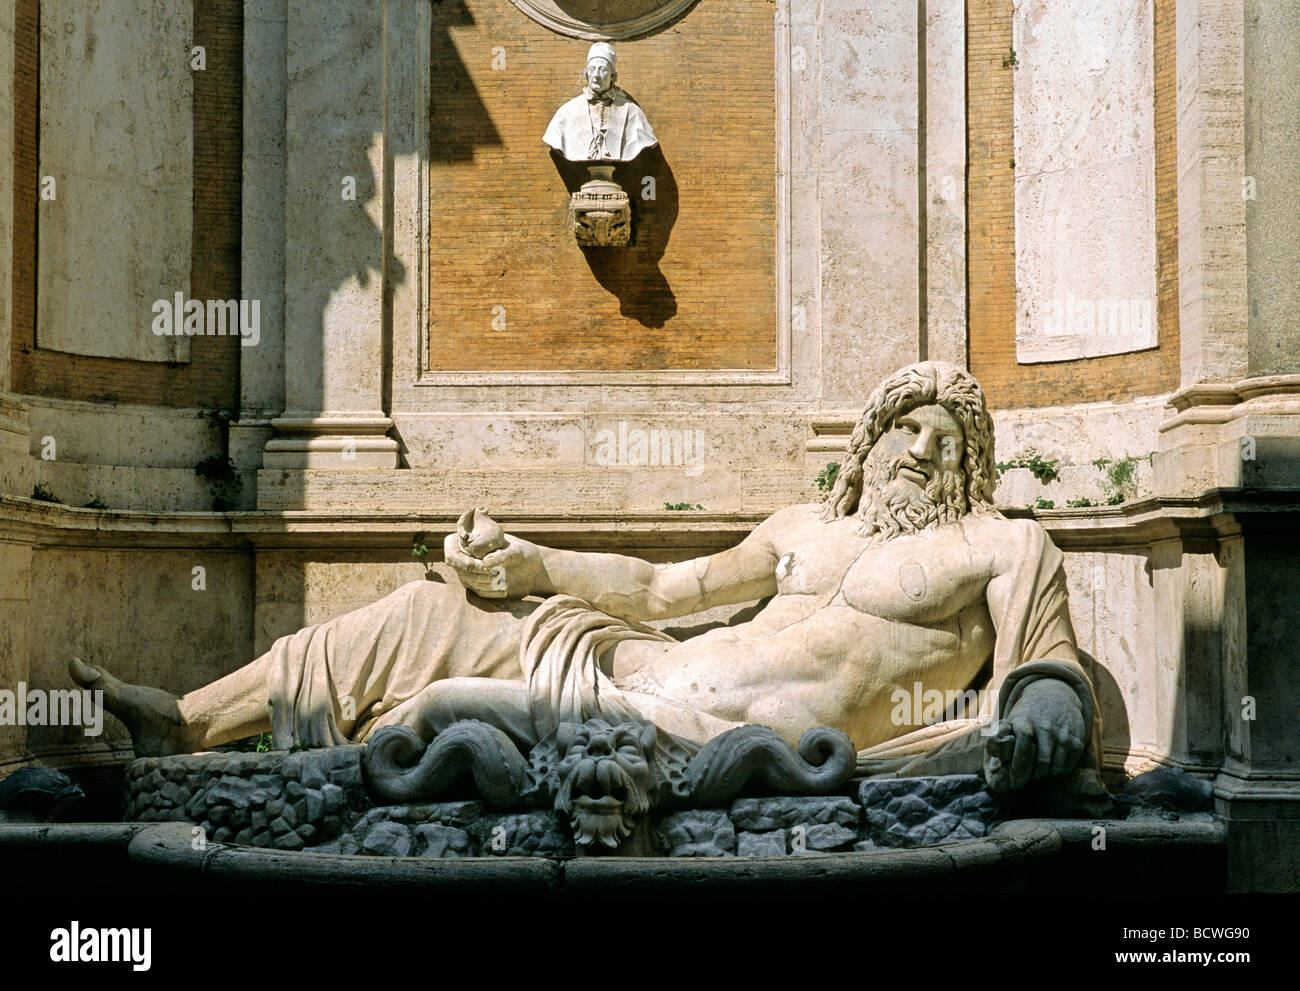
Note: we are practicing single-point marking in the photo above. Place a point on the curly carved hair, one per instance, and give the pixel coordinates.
(922, 384)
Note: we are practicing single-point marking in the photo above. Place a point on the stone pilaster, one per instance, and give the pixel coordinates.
(335, 205)
(1235, 422)
(261, 366)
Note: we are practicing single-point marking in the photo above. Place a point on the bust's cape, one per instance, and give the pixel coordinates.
(627, 131)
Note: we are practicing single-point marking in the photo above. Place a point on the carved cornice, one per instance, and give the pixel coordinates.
(1219, 402)
(559, 16)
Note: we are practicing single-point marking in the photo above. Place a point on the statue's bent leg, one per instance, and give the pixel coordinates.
(329, 683)
(499, 702)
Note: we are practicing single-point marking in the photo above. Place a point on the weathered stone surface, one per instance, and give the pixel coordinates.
(905, 812)
(442, 841)
(771, 844)
(387, 839)
(1169, 788)
(696, 833)
(525, 834)
(250, 791)
(829, 836)
(764, 814)
(41, 792)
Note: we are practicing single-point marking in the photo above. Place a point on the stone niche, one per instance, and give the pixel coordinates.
(603, 20)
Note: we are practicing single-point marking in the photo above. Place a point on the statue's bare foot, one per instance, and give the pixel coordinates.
(152, 716)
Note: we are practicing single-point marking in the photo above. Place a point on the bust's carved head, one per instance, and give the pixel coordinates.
(601, 72)
(921, 455)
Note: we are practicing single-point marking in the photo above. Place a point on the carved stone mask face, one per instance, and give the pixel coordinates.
(605, 775)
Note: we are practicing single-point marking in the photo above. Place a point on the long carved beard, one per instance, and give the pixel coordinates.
(891, 506)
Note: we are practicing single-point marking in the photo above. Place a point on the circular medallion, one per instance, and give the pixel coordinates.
(603, 20)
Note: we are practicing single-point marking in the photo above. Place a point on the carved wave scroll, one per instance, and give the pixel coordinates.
(401, 767)
(750, 757)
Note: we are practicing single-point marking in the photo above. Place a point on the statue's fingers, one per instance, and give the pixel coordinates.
(462, 562)
(1067, 752)
(498, 558)
(484, 589)
(1045, 745)
(1005, 742)
(998, 750)
(1022, 761)
(996, 773)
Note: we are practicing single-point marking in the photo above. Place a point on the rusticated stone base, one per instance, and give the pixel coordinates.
(284, 800)
(317, 799)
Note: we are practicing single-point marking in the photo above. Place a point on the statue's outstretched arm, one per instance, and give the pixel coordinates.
(628, 587)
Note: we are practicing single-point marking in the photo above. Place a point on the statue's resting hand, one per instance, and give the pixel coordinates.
(508, 573)
(1041, 737)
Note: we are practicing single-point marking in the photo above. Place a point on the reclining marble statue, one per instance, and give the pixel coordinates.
(906, 578)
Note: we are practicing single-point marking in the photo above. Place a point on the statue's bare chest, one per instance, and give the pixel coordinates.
(920, 578)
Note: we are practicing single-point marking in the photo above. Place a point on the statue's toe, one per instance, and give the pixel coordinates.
(82, 673)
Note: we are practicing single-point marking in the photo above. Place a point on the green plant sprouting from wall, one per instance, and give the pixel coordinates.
(678, 507)
(1120, 483)
(223, 481)
(826, 478)
(223, 478)
(420, 551)
(1044, 469)
(41, 492)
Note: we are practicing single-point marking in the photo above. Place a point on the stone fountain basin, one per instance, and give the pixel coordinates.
(1008, 851)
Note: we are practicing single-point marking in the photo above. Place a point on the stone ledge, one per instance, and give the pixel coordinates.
(169, 846)
(1136, 522)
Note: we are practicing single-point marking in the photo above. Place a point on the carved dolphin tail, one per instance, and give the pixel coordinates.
(398, 765)
(755, 756)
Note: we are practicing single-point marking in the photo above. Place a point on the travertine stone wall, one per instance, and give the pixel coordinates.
(7, 15)
(116, 137)
(1211, 210)
(1085, 178)
(261, 368)
(210, 378)
(141, 613)
(1272, 140)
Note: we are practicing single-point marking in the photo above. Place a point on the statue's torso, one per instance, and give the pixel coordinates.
(851, 622)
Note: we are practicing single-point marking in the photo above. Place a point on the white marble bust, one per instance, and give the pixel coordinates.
(602, 124)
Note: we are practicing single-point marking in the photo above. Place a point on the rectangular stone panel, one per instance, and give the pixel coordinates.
(1084, 164)
(117, 140)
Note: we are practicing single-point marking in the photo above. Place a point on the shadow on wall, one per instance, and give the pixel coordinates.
(355, 252)
(1115, 735)
(632, 273)
(459, 122)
